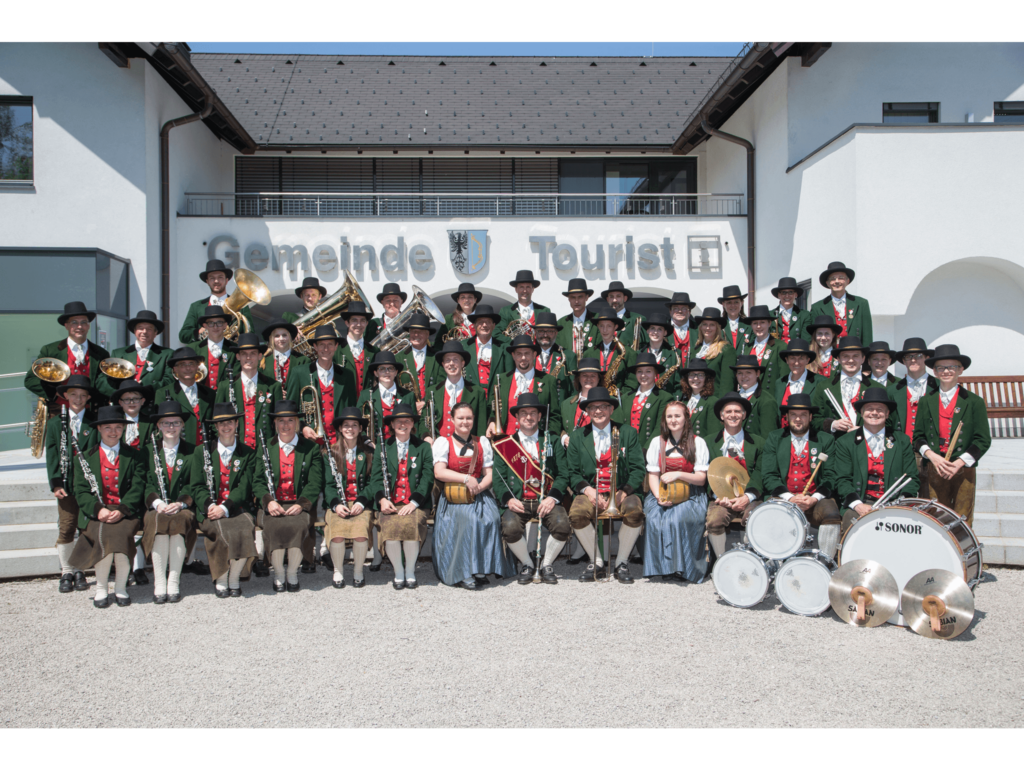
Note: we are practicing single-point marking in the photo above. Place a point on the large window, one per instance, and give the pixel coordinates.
(1008, 112)
(628, 187)
(15, 139)
(910, 112)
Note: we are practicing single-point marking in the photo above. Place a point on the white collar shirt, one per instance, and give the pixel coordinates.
(79, 350)
(947, 396)
(799, 443)
(419, 356)
(453, 390)
(216, 348)
(387, 395)
(218, 301)
(875, 440)
(403, 449)
(484, 350)
(733, 444)
(290, 445)
(602, 440)
(525, 313)
(523, 380)
(326, 376)
(191, 393)
(796, 386)
(531, 443)
(142, 352)
(746, 394)
(356, 345)
(75, 421)
(131, 430)
(248, 386)
(227, 451)
(111, 452)
(917, 387)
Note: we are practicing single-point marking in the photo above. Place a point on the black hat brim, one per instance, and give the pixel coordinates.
(61, 319)
(720, 320)
(373, 366)
(786, 353)
(964, 360)
(153, 418)
(290, 327)
(339, 420)
(224, 417)
(747, 367)
(158, 324)
(834, 327)
(300, 289)
(101, 422)
(403, 294)
(466, 356)
(610, 400)
(742, 402)
(728, 298)
(619, 322)
(476, 294)
(656, 366)
(514, 283)
(228, 273)
(492, 315)
(787, 408)
(898, 356)
(797, 288)
(690, 304)
(388, 418)
(629, 293)
(858, 404)
(588, 291)
(63, 388)
(823, 277)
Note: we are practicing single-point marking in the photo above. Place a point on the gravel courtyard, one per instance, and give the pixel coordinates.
(652, 654)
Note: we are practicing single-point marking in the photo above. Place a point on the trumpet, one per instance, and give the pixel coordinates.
(116, 368)
(249, 290)
(311, 409)
(413, 387)
(394, 338)
(327, 311)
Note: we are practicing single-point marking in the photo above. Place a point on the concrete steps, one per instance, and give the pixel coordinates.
(28, 518)
(29, 562)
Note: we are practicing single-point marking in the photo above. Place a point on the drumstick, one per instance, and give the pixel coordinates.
(821, 460)
(952, 441)
(835, 404)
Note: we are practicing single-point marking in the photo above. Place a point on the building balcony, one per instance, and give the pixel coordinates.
(371, 205)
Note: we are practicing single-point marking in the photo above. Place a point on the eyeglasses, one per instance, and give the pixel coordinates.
(216, 324)
(915, 358)
(76, 322)
(946, 368)
(386, 369)
(132, 400)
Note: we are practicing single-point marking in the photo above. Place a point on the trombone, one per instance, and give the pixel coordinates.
(368, 414)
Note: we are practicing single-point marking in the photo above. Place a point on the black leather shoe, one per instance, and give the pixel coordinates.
(236, 592)
(339, 584)
(327, 561)
(103, 603)
(411, 583)
(358, 583)
(576, 560)
(547, 575)
(124, 602)
(292, 587)
(174, 597)
(622, 574)
(222, 593)
(161, 599)
(80, 583)
(375, 567)
(481, 581)
(470, 585)
(308, 568)
(588, 573)
(259, 568)
(396, 584)
(673, 577)
(198, 568)
(279, 587)
(526, 574)
(67, 583)
(636, 559)
(141, 579)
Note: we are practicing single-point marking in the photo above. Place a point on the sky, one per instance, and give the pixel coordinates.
(477, 49)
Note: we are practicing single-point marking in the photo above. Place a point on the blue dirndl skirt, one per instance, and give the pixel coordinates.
(674, 539)
(467, 540)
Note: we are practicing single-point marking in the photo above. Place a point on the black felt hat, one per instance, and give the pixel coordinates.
(659, 319)
(385, 358)
(731, 397)
(184, 354)
(356, 309)
(545, 320)
(646, 358)
(484, 310)
(171, 408)
(225, 412)
(712, 314)
(824, 321)
(797, 347)
(616, 285)
(249, 341)
(948, 352)
(455, 348)
(522, 341)
(401, 410)
(327, 332)
(215, 265)
(419, 322)
(874, 395)
(282, 408)
(146, 316)
(74, 309)
(607, 313)
(76, 381)
(835, 266)
(747, 363)
(290, 327)
(351, 413)
(914, 345)
(787, 284)
(392, 289)
(681, 297)
(215, 312)
(697, 365)
(131, 385)
(731, 292)
(759, 312)
(801, 402)
(524, 276)
(578, 285)
(848, 343)
(466, 288)
(600, 395)
(110, 414)
(310, 282)
(527, 400)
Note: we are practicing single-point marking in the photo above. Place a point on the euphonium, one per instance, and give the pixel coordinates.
(249, 289)
(327, 311)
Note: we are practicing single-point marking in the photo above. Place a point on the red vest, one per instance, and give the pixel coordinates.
(213, 368)
(582, 417)
(285, 491)
(785, 328)
(483, 367)
(351, 486)
(799, 471)
(876, 475)
(76, 368)
(682, 343)
(785, 400)
(421, 375)
(604, 472)
(327, 411)
(225, 476)
(606, 357)
(139, 365)
(281, 371)
(401, 493)
(512, 423)
(109, 480)
(199, 422)
(250, 418)
(734, 333)
(826, 368)
(840, 321)
(678, 464)
(912, 414)
(359, 362)
(447, 425)
(636, 412)
(946, 420)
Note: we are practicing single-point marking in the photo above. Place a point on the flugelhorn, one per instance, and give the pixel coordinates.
(394, 337)
(311, 409)
(327, 311)
(249, 289)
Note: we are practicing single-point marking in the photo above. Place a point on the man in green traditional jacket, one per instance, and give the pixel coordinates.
(852, 313)
(642, 409)
(81, 356)
(216, 275)
(150, 359)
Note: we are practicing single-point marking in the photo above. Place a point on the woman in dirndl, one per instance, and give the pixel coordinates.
(467, 528)
(674, 541)
(224, 502)
(349, 515)
(169, 525)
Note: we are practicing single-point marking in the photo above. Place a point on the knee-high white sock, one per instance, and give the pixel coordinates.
(63, 553)
(140, 555)
(338, 557)
(103, 576)
(175, 559)
(259, 544)
(394, 552)
(412, 551)
(519, 550)
(358, 558)
(551, 552)
(122, 568)
(277, 561)
(585, 536)
(161, 546)
(627, 538)
(221, 584)
(377, 558)
(294, 561)
(717, 543)
(235, 573)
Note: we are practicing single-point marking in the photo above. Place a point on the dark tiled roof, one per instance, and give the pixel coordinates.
(415, 101)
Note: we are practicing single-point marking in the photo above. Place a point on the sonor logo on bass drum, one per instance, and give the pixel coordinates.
(898, 527)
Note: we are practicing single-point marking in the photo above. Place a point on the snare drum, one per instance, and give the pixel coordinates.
(917, 535)
(742, 577)
(777, 529)
(802, 582)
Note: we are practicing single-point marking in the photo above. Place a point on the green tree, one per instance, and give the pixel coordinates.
(15, 142)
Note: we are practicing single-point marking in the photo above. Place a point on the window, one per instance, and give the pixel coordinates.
(1008, 112)
(15, 139)
(910, 112)
(629, 187)
(804, 300)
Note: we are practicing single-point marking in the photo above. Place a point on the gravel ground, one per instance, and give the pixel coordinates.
(650, 654)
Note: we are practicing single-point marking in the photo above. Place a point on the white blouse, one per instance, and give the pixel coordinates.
(441, 448)
(700, 463)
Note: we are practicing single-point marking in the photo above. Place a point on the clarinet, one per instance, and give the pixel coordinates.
(540, 496)
(158, 466)
(208, 471)
(231, 390)
(334, 471)
(89, 476)
(384, 461)
(64, 458)
(266, 468)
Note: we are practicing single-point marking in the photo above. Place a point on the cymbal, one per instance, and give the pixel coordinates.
(863, 593)
(727, 477)
(938, 603)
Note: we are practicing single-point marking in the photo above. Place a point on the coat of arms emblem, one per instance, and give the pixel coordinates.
(467, 249)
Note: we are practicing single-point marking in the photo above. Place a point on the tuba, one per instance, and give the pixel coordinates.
(394, 338)
(327, 311)
(249, 289)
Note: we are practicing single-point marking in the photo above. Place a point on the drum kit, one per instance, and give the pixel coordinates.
(914, 563)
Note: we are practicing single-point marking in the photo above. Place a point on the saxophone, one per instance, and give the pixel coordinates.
(663, 379)
(613, 370)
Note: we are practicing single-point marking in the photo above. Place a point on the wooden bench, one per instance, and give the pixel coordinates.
(1004, 399)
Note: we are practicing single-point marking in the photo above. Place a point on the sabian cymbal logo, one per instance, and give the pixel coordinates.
(930, 580)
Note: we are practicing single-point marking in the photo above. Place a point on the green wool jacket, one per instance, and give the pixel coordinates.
(59, 350)
(145, 430)
(508, 484)
(309, 474)
(564, 337)
(669, 357)
(568, 409)
(432, 373)
(858, 316)
(268, 391)
(131, 485)
(245, 462)
(419, 467)
(565, 363)
(650, 414)
(764, 418)
(544, 386)
(813, 382)
(347, 360)
(725, 377)
(87, 437)
(207, 398)
(629, 360)
(510, 313)
(753, 454)
(774, 366)
(775, 462)
(155, 374)
(179, 485)
(473, 394)
(799, 321)
(898, 393)
(826, 414)
(626, 335)
(402, 395)
(189, 332)
(975, 437)
(703, 420)
(583, 460)
(501, 361)
(851, 465)
(744, 335)
(299, 376)
(228, 358)
(364, 462)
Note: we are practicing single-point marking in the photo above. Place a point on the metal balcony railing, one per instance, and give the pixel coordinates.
(365, 205)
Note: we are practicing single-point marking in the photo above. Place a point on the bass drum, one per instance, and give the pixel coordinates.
(915, 535)
(742, 577)
(777, 529)
(802, 582)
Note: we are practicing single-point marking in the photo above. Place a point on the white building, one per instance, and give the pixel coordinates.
(900, 160)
